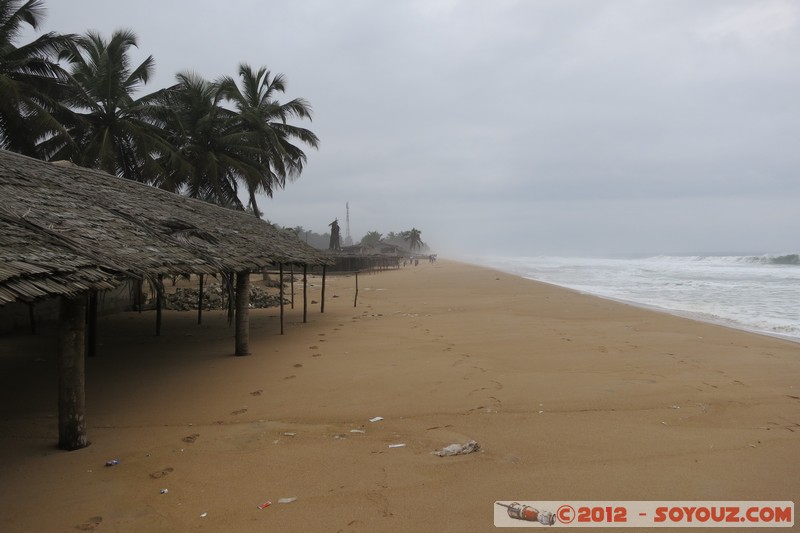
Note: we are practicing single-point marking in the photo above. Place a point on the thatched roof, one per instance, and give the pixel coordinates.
(66, 229)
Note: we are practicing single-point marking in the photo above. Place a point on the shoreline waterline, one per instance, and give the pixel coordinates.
(735, 292)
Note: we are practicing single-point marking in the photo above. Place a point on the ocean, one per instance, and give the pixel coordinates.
(759, 293)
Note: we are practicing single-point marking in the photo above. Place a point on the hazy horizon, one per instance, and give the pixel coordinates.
(516, 127)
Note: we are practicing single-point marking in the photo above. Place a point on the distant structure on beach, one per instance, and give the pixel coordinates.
(335, 243)
(348, 240)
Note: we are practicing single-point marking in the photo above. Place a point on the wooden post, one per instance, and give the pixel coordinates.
(355, 299)
(71, 375)
(200, 302)
(243, 313)
(91, 325)
(322, 298)
(280, 292)
(138, 288)
(159, 300)
(32, 318)
(291, 281)
(305, 294)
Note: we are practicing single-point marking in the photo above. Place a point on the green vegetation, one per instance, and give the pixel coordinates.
(206, 139)
(403, 239)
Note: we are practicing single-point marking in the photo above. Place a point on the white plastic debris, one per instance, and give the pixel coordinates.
(357, 431)
(376, 419)
(203, 515)
(458, 449)
(400, 445)
(287, 500)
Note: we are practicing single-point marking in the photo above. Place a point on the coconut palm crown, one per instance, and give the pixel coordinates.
(31, 80)
(112, 130)
(259, 112)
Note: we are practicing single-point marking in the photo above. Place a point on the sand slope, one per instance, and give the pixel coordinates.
(571, 397)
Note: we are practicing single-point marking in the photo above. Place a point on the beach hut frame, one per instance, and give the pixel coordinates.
(70, 232)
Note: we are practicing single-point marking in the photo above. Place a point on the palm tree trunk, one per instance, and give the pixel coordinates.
(243, 313)
(71, 377)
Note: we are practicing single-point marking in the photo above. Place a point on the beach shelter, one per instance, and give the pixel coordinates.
(69, 232)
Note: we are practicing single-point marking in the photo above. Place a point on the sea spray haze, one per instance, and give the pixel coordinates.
(753, 292)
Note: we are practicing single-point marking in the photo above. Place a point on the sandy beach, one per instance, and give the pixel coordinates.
(570, 397)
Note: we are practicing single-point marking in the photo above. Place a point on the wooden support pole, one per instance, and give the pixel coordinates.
(291, 281)
(280, 293)
(91, 325)
(305, 294)
(355, 299)
(32, 318)
(243, 313)
(200, 302)
(71, 374)
(138, 288)
(322, 299)
(159, 305)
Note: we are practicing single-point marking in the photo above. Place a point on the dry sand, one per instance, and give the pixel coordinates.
(571, 397)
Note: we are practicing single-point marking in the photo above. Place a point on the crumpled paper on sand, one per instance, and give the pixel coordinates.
(458, 449)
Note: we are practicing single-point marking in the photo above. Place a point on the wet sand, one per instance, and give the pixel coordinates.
(571, 397)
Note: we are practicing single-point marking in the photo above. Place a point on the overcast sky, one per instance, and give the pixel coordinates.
(520, 127)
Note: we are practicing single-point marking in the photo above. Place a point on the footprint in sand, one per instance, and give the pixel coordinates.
(191, 438)
(239, 411)
(162, 473)
(256, 392)
(290, 377)
(316, 354)
(313, 347)
(298, 365)
(90, 525)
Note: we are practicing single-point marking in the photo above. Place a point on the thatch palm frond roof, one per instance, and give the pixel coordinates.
(75, 229)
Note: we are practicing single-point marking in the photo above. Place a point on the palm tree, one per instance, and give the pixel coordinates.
(31, 80)
(212, 154)
(372, 238)
(112, 130)
(259, 112)
(413, 239)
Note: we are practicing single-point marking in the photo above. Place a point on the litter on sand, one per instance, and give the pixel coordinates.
(357, 431)
(376, 419)
(458, 449)
(287, 500)
(265, 505)
(400, 445)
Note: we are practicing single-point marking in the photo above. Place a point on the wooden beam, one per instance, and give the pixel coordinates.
(355, 299)
(200, 302)
(71, 374)
(305, 294)
(322, 298)
(280, 294)
(291, 281)
(243, 313)
(159, 304)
